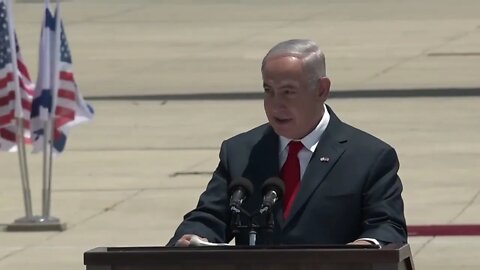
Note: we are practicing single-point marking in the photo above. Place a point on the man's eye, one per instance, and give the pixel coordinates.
(288, 92)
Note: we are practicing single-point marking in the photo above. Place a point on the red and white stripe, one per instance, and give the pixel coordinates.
(8, 127)
(7, 96)
(66, 103)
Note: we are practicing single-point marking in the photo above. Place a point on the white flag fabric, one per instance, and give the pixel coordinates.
(57, 96)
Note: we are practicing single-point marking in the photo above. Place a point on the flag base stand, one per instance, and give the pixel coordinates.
(36, 224)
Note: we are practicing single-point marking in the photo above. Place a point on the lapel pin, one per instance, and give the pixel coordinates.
(324, 159)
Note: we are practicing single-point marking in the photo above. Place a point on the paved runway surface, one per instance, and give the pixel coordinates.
(170, 80)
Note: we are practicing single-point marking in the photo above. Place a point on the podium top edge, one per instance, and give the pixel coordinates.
(143, 249)
(155, 254)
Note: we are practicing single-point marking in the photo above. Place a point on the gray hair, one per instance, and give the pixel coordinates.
(305, 50)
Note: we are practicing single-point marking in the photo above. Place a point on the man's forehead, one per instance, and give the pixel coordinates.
(283, 82)
(283, 55)
(282, 66)
(283, 59)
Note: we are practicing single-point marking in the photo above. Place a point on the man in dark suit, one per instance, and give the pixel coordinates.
(341, 183)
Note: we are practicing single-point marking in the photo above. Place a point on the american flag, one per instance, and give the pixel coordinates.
(8, 110)
(70, 107)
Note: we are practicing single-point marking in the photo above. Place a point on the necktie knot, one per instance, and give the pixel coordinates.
(294, 147)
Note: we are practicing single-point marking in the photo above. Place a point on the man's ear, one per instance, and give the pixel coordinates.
(323, 88)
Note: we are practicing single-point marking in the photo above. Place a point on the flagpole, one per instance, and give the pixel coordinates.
(47, 149)
(19, 115)
(49, 131)
(50, 126)
(47, 127)
(48, 138)
(27, 197)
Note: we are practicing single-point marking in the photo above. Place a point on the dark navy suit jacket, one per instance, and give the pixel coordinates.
(350, 190)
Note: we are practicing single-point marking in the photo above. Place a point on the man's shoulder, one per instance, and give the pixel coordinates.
(355, 136)
(364, 139)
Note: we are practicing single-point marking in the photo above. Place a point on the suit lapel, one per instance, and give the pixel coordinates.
(329, 149)
(270, 168)
(263, 160)
(264, 164)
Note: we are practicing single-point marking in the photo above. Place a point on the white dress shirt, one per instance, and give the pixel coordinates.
(309, 142)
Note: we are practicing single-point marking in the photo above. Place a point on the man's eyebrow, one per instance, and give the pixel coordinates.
(288, 85)
(283, 85)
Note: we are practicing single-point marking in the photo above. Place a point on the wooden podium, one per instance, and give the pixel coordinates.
(390, 257)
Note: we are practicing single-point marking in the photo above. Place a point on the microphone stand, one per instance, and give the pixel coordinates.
(252, 226)
(266, 223)
(235, 221)
(252, 236)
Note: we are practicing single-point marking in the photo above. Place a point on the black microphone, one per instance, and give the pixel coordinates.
(273, 189)
(239, 190)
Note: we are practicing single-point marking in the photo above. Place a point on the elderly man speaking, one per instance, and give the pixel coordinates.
(341, 184)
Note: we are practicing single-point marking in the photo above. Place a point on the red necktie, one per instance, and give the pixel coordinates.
(290, 174)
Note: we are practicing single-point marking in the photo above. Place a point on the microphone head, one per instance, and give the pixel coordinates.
(276, 184)
(242, 183)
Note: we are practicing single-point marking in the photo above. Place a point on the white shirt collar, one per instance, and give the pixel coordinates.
(311, 140)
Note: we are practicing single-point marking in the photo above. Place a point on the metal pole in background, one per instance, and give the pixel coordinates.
(29, 222)
(27, 198)
(52, 222)
(48, 222)
(35, 223)
(47, 149)
(29, 219)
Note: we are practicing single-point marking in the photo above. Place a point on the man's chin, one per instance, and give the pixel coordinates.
(282, 131)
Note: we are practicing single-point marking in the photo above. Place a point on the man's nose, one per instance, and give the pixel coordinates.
(278, 102)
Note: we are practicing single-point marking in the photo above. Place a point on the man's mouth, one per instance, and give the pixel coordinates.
(282, 120)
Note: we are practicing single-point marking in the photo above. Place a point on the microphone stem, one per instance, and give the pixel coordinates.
(252, 237)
